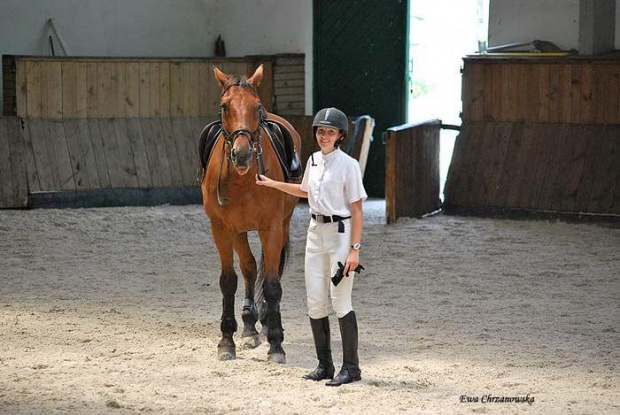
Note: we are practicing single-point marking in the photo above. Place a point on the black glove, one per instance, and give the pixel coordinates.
(340, 273)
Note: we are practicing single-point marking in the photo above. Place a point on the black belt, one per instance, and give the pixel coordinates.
(330, 219)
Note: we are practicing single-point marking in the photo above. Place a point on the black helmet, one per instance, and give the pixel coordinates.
(331, 117)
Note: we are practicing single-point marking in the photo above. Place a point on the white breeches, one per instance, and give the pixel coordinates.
(324, 248)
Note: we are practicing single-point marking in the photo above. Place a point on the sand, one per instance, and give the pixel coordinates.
(116, 310)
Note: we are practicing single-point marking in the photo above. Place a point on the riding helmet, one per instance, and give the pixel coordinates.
(331, 117)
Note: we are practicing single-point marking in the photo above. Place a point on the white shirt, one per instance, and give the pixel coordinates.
(333, 183)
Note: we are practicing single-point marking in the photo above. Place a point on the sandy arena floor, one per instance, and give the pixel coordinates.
(117, 311)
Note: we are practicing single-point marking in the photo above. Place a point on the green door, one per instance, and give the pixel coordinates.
(360, 49)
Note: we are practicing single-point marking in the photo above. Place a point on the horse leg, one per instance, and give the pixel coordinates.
(271, 241)
(250, 338)
(228, 286)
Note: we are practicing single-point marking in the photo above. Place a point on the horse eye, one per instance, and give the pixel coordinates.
(224, 107)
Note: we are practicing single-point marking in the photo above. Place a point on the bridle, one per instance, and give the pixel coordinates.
(253, 137)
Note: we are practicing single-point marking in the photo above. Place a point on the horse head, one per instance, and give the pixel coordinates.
(241, 113)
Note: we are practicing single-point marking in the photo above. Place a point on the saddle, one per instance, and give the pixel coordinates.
(280, 138)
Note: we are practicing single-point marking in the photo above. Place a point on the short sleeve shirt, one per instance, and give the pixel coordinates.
(333, 182)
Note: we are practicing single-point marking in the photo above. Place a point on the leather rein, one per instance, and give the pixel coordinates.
(254, 138)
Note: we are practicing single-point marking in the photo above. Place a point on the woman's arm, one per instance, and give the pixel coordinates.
(357, 223)
(290, 188)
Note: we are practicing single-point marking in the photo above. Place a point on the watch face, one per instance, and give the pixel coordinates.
(357, 246)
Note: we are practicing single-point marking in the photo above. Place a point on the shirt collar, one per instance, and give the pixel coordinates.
(331, 156)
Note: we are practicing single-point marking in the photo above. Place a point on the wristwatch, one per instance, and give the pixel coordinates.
(356, 246)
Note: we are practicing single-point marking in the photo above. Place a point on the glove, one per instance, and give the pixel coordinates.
(340, 273)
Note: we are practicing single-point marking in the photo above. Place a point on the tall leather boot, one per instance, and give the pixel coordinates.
(350, 371)
(320, 332)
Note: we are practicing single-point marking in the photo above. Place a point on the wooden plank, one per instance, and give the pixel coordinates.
(52, 90)
(160, 146)
(134, 134)
(96, 139)
(210, 92)
(544, 149)
(33, 89)
(290, 61)
(111, 152)
(523, 175)
(92, 85)
(89, 158)
(603, 195)
(164, 89)
(554, 93)
(154, 89)
(7, 199)
(38, 133)
(531, 103)
(174, 162)
(297, 91)
(614, 174)
(574, 168)
(190, 74)
(575, 94)
(150, 148)
(69, 89)
(21, 92)
(18, 162)
(176, 90)
(390, 177)
(594, 137)
(521, 79)
(543, 93)
(61, 163)
(612, 73)
(587, 103)
(132, 89)
(561, 145)
(81, 92)
(106, 95)
(602, 99)
(31, 167)
(182, 135)
(278, 69)
(125, 154)
(473, 97)
(120, 105)
(508, 166)
(265, 90)
(76, 154)
(288, 83)
(564, 98)
(145, 90)
(482, 175)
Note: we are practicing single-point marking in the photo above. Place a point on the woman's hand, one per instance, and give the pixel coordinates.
(263, 180)
(353, 260)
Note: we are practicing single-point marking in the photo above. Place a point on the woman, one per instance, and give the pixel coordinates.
(332, 183)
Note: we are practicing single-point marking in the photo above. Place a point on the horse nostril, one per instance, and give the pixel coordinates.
(233, 153)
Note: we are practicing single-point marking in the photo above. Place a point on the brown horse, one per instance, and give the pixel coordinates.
(236, 205)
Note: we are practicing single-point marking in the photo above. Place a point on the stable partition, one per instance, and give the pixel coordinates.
(539, 136)
(82, 131)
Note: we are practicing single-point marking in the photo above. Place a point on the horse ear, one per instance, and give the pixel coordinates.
(257, 77)
(220, 76)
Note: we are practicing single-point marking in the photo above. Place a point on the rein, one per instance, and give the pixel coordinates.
(254, 139)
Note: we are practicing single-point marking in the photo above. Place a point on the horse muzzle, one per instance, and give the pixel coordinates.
(241, 159)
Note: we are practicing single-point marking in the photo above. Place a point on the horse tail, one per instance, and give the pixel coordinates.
(259, 296)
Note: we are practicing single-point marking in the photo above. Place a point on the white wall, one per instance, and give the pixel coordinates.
(525, 20)
(158, 28)
(556, 21)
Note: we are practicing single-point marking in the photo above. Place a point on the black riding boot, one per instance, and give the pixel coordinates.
(320, 332)
(350, 371)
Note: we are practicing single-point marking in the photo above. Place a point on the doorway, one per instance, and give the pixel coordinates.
(441, 33)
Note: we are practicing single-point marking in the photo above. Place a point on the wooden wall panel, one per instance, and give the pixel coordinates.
(572, 91)
(125, 88)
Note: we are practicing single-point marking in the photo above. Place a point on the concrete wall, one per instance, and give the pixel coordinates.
(525, 20)
(171, 28)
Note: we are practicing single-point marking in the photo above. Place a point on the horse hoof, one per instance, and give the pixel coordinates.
(225, 354)
(251, 342)
(279, 358)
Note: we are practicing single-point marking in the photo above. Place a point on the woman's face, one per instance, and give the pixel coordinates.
(327, 138)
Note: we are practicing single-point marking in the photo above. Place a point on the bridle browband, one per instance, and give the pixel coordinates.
(252, 136)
